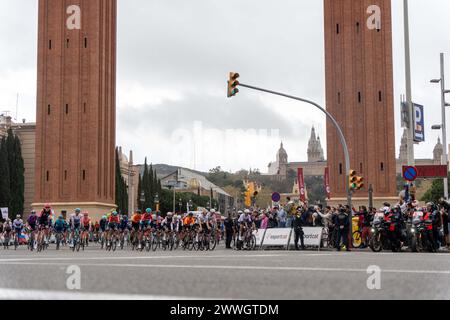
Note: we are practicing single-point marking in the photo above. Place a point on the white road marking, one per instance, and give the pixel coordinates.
(25, 294)
(156, 257)
(233, 268)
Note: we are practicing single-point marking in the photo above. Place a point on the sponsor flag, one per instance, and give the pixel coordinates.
(301, 184)
(327, 182)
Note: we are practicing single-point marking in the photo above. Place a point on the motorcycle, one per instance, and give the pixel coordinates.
(421, 237)
(384, 235)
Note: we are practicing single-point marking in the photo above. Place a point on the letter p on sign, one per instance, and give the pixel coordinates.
(74, 20)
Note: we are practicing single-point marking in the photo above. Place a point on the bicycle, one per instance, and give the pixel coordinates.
(112, 243)
(32, 244)
(58, 239)
(6, 240)
(76, 243)
(16, 240)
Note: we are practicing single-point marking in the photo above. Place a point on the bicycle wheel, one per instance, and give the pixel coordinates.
(170, 243)
(78, 245)
(253, 242)
(16, 242)
(114, 244)
(212, 243)
(356, 239)
(155, 243)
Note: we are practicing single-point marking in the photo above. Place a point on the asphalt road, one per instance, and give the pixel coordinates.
(221, 274)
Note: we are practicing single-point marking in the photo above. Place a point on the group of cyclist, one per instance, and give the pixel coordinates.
(40, 226)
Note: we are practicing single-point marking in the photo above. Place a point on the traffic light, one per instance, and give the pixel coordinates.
(359, 183)
(233, 84)
(352, 180)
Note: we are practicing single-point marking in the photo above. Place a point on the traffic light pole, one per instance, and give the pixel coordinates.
(340, 134)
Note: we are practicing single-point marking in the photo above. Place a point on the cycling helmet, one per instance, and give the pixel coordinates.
(114, 213)
(246, 211)
(77, 210)
(213, 211)
(18, 216)
(33, 212)
(105, 217)
(191, 213)
(125, 216)
(47, 206)
(85, 213)
(61, 217)
(139, 212)
(240, 212)
(148, 210)
(169, 214)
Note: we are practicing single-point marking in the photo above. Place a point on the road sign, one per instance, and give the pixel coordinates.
(433, 171)
(410, 173)
(276, 197)
(4, 212)
(419, 123)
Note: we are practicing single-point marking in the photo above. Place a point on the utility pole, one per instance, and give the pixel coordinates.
(443, 126)
(410, 136)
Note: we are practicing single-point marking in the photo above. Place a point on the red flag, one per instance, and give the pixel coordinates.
(327, 182)
(301, 184)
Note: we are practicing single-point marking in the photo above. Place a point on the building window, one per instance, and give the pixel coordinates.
(379, 96)
(359, 97)
(48, 109)
(360, 168)
(67, 109)
(65, 174)
(337, 28)
(84, 107)
(339, 97)
(48, 176)
(357, 27)
(84, 174)
(67, 43)
(340, 168)
(50, 44)
(85, 42)
(382, 166)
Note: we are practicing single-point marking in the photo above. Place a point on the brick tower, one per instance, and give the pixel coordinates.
(359, 93)
(76, 103)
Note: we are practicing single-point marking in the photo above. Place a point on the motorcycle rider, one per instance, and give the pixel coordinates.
(395, 235)
(436, 223)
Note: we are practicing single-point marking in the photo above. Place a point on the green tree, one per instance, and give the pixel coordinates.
(435, 192)
(17, 177)
(5, 188)
(121, 188)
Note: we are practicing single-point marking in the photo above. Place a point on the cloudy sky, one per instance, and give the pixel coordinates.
(173, 60)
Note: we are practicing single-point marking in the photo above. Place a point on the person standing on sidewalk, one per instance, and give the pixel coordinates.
(228, 224)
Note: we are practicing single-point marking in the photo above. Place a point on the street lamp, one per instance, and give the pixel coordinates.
(443, 126)
(157, 202)
(142, 200)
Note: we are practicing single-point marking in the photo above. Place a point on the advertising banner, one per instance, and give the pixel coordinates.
(277, 237)
(301, 184)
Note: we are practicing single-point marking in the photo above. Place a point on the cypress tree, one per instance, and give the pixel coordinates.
(18, 191)
(5, 191)
(139, 190)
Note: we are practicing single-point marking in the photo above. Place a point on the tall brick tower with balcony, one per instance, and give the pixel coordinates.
(359, 93)
(76, 103)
